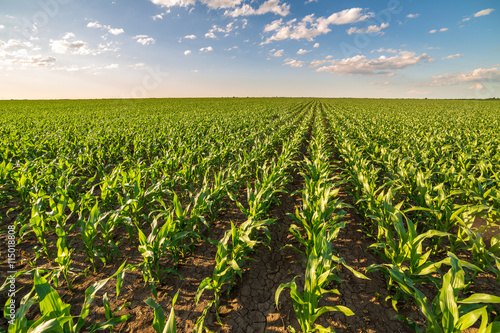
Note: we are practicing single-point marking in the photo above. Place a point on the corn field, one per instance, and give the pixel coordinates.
(250, 215)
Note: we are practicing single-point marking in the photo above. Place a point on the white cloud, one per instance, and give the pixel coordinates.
(380, 50)
(187, 52)
(294, 63)
(212, 4)
(477, 86)
(453, 56)
(97, 25)
(37, 61)
(316, 45)
(2, 26)
(270, 6)
(368, 30)
(112, 66)
(116, 31)
(316, 63)
(480, 13)
(433, 31)
(277, 53)
(15, 43)
(157, 17)
(210, 34)
(412, 15)
(484, 12)
(309, 1)
(360, 65)
(144, 39)
(302, 51)
(68, 35)
(310, 26)
(171, 3)
(65, 47)
(477, 75)
(190, 37)
(207, 49)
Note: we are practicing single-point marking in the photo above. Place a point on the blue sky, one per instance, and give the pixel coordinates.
(191, 48)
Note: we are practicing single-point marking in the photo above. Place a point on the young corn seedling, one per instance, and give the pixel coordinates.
(88, 230)
(318, 275)
(402, 246)
(229, 259)
(64, 256)
(160, 323)
(40, 226)
(448, 312)
(161, 240)
(55, 314)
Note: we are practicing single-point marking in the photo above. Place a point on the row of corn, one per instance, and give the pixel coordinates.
(421, 218)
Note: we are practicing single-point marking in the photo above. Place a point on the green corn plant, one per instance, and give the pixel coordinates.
(167, 239)
(229, 259)
(112, 319)
(88, 231)
(318, 275)
(402, 246)
(64, 255)
(40, 226)
(318, 211)
(160, 323)
(55, 314)
(448, 312)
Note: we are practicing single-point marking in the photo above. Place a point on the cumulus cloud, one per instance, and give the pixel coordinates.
(380, 50)
(477, 75)
(15, 43)
(371, 29)
(310, 26)
(316, 45)
(412, 15)
(484, 12)
(190, 37)
(361, 65)
(37, 61)
(302, 51)
(207, 49)
(64, 47)
(112, 66)
(212, 4)
(2, 26)
(453, 56)
(68, 35)
(187, 52)
(172, 3)
(144, 39)
(443, 29)
(225, 30)
(277, 53)
(294, 63)
(270, 6)
(480, 13)
(97, 25)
